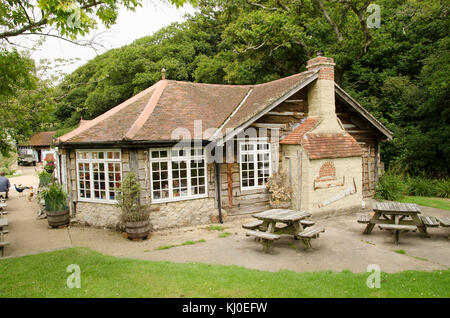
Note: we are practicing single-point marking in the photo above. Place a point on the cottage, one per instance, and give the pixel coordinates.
(38, 146)
(201, 149)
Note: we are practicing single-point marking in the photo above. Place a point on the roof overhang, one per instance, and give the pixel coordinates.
(344, 96)
(249, 121)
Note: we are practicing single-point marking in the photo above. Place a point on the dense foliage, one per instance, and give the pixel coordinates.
(394, 187)
(399, 71)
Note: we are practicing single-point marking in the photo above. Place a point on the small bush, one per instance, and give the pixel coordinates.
(55, 198)
(45, 179)
(443, 188)
(390, 187)
(129, 200)
(6, 171)
(421, 186)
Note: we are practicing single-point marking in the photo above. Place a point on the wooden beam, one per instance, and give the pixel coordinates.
(362, 131)
(230, 185)
(269, 126)
(286, 113)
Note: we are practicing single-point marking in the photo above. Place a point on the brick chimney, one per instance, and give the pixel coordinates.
(321, 94)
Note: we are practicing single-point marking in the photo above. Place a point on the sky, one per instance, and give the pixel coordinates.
(129, 27)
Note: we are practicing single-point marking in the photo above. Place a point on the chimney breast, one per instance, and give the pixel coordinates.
(163, 74)
(324, 64)
(321, 94)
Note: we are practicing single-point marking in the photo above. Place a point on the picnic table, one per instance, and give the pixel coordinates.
(292, 223)
(3, 223)
(396, 216)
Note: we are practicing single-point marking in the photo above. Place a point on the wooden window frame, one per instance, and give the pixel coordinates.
(189, 158)
(90, 161)
(255, 152)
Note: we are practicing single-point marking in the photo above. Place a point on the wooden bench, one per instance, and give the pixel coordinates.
(2, 245)
(307, 223)
(397, 228)
(429, 221)
(364, 218)
(266, 238)
(310, 233)
(252, 225)
(444, 221)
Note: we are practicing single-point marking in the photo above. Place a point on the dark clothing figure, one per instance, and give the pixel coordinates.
(4, 185)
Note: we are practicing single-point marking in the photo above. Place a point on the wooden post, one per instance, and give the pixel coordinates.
(299, 167)
(230, 185)
(377, 159)
(134, 163)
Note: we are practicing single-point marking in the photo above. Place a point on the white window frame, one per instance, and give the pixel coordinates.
(188, 158)
(90, 161)
(255, 152)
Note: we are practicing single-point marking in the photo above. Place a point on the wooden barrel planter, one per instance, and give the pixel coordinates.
(58, 218)
(137, 230)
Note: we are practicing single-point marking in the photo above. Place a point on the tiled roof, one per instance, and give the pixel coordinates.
(295, 137)
(331, 145)
(44, 138)
(323, 145)
(173, 107)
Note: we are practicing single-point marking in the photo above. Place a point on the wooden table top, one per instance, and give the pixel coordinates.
(396, 207)
(281, 215)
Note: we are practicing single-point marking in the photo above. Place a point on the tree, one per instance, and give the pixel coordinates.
(399, 72)
(69, 18)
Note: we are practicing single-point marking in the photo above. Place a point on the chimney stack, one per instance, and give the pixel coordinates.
(163, 73)
(321, 94)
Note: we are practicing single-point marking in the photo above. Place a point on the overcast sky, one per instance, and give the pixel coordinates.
(129, 27)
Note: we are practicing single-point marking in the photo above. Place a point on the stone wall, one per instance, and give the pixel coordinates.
(182, 213)
(98, 215)
(162, 216)
(306, 197)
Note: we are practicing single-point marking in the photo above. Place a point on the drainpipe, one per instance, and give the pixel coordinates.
(219, 195)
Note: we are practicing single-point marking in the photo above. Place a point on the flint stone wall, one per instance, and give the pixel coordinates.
(162, 216)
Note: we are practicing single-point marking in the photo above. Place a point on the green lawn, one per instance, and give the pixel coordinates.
(44, 275)
(438, 203)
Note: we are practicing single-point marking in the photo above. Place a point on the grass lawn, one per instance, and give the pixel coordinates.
(44, 275)
(438, 203)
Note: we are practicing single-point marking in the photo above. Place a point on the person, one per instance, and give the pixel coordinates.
(4, 183)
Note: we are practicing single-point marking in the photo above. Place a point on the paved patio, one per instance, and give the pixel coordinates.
(342, 246)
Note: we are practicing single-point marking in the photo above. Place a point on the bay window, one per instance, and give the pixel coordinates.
(99, 174)
(177, 174)
(254, 164)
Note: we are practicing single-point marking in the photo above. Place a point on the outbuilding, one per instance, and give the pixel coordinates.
(201, 150)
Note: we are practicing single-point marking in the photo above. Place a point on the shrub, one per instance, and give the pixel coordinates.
(45, 179)
(443, 188)
(55, 198)
(128, 200)
(278, 189)
(390, 187)
(421, 186)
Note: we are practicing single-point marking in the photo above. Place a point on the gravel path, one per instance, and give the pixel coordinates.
(342, 246)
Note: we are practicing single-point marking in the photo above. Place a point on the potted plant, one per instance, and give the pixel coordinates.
(49, 163)
(45, 179)
(56, 206)
(280, 193)
(135, 216)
